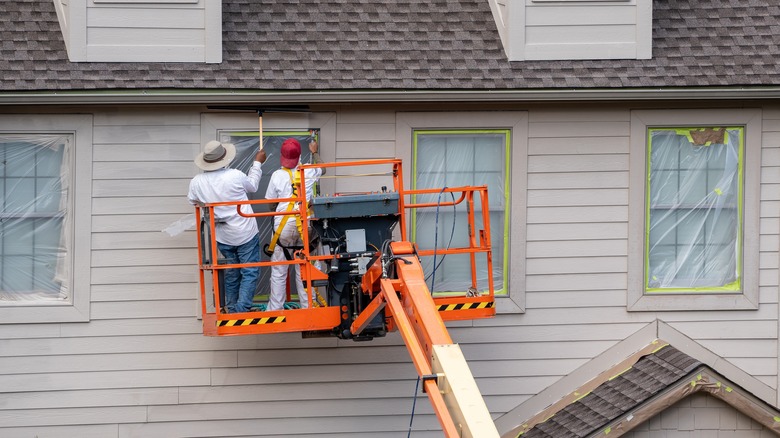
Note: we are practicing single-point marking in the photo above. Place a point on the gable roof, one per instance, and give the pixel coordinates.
(434, 45)
(623, 398)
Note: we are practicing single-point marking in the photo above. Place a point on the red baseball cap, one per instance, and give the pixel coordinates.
(291, 153)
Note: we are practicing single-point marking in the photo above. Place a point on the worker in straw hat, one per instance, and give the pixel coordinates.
(237, 236)
(287, 233)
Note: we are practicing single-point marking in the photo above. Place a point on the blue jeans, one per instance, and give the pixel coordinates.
(240, 283)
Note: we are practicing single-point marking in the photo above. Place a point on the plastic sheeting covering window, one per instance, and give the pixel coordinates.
(34, 223)
(453, 159)
(694, 206)
(247, 144)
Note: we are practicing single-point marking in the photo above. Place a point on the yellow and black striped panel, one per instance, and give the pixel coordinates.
(464, 306)
(251, 321)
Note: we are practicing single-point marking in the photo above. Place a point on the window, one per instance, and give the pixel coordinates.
(241, 129)
(44, 257)
(694, 217)
(247, 144)
(422, 136)
(34, 199)
(452, 159)
(698, 208)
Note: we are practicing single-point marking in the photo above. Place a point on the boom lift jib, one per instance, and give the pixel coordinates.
(365, 278)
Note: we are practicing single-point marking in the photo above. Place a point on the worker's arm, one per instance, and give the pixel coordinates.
(252, 181)
(192, 193)
(314, 148)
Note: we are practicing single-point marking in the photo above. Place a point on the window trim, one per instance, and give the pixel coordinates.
(641, 120)
(517, 124)
(77, 309)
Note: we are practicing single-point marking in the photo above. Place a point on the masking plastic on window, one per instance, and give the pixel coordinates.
(693, 236)
(455, 160)
(247, 145)
(34, 236)
(185, 223)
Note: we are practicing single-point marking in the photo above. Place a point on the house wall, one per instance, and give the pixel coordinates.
(574, 29)
(700, 415)
(142, 31)
(141, 366)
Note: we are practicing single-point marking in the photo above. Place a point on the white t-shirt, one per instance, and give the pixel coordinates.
(227, 185)
(280, 187)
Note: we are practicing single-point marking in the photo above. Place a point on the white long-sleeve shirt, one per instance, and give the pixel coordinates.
(226, 185)
(280, 187)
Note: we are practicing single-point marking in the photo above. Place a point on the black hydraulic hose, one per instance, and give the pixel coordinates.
(436, 237)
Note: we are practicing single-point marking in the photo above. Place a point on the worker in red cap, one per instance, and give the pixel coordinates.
(287, 234)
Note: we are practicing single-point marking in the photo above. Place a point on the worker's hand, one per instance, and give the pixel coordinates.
(260, 156)
(314, 146)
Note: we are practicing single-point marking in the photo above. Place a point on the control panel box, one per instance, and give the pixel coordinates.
(357, 205)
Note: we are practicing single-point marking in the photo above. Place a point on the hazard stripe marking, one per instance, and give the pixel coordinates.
(464, 306)
(251, 321)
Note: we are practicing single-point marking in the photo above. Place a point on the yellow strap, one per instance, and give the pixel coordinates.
(295, 182)
(290, 206)
(318, 301)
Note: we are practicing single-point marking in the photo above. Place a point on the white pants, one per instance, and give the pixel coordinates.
(288, 237)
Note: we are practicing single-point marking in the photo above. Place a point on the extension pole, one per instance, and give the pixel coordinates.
(260, 130)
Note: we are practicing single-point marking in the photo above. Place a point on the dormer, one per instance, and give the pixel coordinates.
(141, 30)
(574, 29)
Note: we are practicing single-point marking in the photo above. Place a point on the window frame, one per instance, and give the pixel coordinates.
(516, 122)
(77, 307)
(507, 190)
(747, 298)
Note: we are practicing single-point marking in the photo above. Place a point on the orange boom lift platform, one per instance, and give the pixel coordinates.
(365, 279)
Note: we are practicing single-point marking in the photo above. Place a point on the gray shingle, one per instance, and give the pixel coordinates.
(647, 377)
(402, 44)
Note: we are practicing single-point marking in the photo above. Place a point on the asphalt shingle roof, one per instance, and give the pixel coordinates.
(650, 375)
(402, 45)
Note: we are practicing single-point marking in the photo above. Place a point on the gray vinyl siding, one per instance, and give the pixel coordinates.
(700, 415)
(574, 29)
(142, 31)
(584, 264)
(142, 368)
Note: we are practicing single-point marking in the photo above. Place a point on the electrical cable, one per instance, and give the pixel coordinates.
(414, 403)
(436, 237)
(387, 257)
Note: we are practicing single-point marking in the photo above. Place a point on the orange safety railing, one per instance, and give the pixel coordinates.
(473, 304)
(322, 319)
